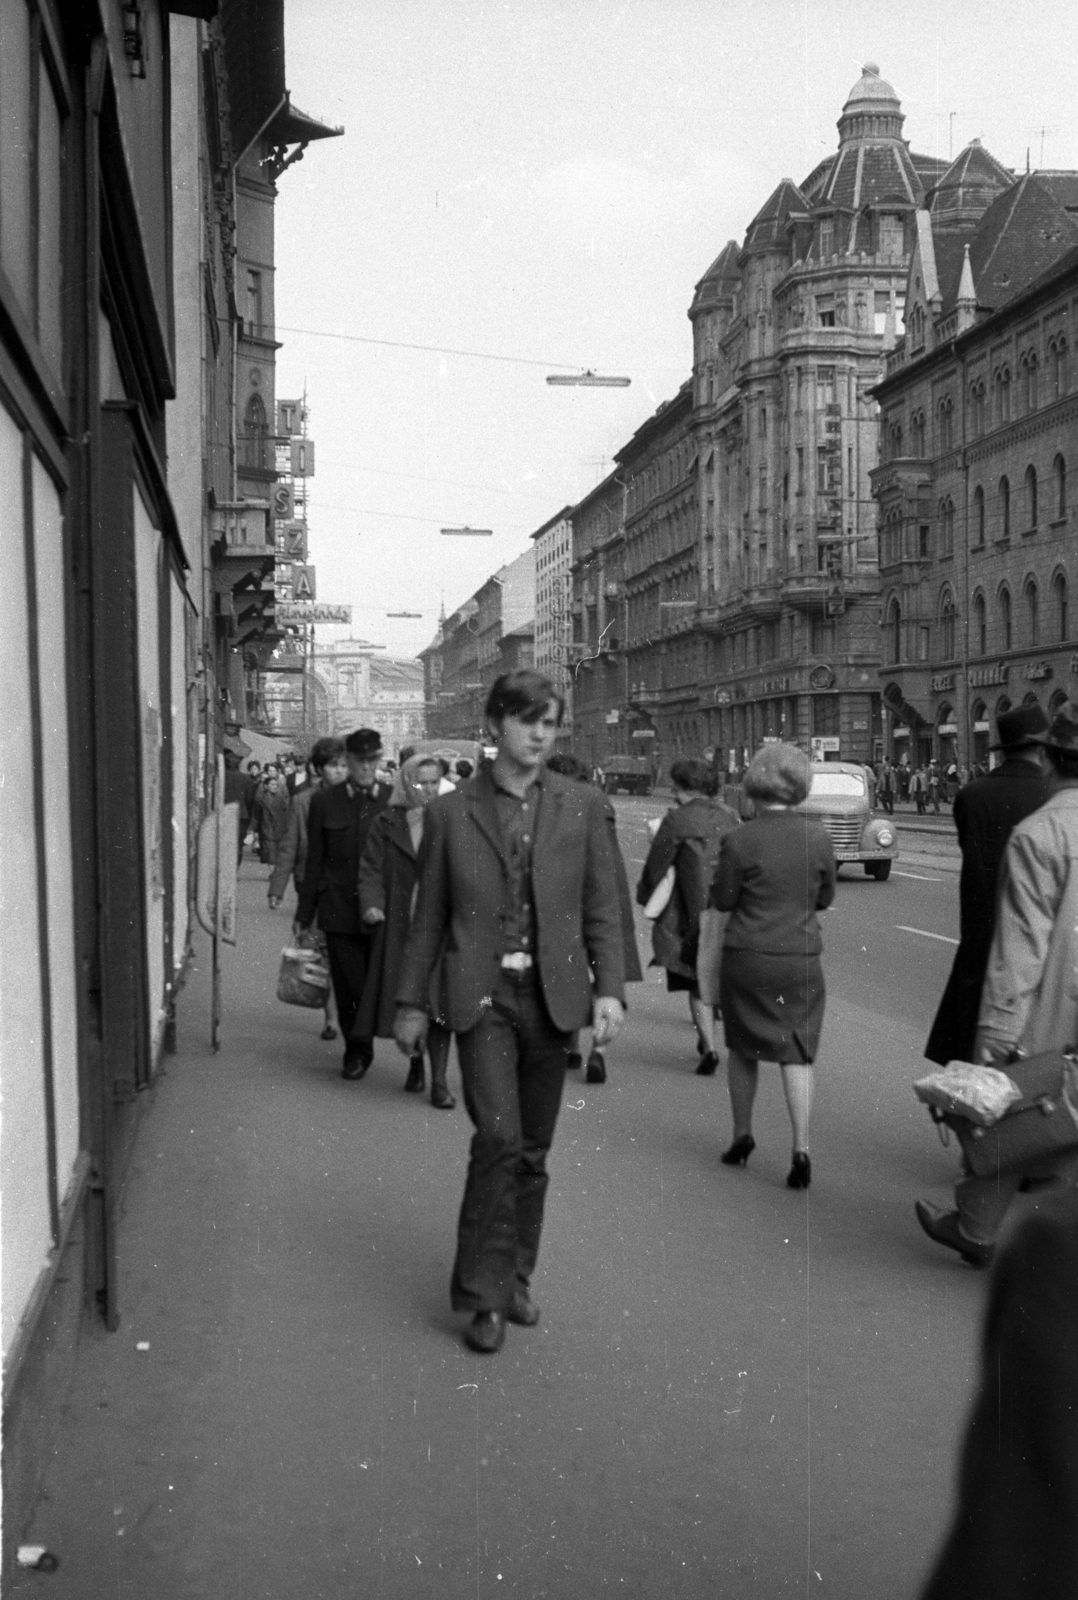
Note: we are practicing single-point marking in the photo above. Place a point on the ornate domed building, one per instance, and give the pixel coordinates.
(790, 332)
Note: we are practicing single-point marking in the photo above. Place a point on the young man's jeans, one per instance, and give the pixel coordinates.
(512, 1064)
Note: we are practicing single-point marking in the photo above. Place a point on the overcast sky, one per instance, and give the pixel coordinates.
(547, 182)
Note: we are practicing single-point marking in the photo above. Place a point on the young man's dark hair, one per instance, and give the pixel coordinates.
(464, 769)
(688, 773)
(522, 694)
(406, 753)
(325, 750)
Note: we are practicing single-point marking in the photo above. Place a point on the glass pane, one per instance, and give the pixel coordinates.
(838, 783)
(49, 180)
(15, 149)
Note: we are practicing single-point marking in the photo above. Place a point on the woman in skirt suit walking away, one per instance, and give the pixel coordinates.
(774, 874)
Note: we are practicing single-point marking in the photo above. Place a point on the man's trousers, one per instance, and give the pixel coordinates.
(349, 957)
(512, 1066)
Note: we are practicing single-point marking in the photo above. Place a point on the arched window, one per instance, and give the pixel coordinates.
(946, 523)
(894, 633)
(1005, 619)
(947, 621)
(977, 408)
(1031, 498)
(1057, 355)
(980, 625)
(1004, 508)
(1002, 384)
(945, 420)
(917, 435)
(1033, 626)
(1059, 473)
(895, 440)
(1059, 606)
(1029, 382)
(978, 516)
(255, 434)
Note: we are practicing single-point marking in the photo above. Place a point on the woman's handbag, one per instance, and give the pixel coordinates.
(1041, 1124)
(709, 954)
(661, 895)
(303, 979)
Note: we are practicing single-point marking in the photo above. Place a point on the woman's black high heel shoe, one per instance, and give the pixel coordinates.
(707, 1064)
(739, 1152)
(800, 1173)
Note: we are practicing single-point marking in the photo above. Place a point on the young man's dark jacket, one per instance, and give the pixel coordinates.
(462, 903)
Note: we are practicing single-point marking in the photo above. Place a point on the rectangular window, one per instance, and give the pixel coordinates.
(827, 237)
(891, 238)
(924, 535)
(825, 310)
(825, 714)
(924, 642)
(881, 310)
(825, 386)
(31, 175)
(800, 470)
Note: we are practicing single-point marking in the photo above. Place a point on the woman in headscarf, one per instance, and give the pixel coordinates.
(387, 891)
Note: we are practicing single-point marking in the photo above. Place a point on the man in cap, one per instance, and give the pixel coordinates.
(337, 826)
(985, 811)
(1027, 1001)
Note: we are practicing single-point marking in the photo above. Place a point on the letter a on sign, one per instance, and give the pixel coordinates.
(302, 582)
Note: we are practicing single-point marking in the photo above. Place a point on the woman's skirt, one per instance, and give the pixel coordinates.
(772, 1005)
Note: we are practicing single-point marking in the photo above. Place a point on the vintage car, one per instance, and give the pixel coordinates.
(841, 798)
(631, 773)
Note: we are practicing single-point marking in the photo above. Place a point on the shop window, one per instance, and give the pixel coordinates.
(1031, 499)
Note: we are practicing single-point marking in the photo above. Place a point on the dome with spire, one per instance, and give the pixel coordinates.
(872, 108)
(965, 191)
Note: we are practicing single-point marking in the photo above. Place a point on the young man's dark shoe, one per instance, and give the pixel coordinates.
(485, 1333)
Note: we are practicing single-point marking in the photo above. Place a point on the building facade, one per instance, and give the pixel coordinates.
(979, 427)
(494, 624)
(663, 665)
(553, 600)
(122, 132)
(358, 687)
(597, 658)
(789, 334)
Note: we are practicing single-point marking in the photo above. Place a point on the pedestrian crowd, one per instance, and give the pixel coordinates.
(491, 906)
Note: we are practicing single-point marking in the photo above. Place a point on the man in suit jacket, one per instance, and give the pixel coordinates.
(337, 826)
(517, 900)
(985, 811)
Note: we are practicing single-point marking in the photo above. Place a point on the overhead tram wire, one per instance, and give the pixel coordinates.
(430, 349)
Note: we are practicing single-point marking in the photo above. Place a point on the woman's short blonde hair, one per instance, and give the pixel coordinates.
(779, 774)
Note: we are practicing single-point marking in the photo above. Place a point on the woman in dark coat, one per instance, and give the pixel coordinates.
(572, 767)
(688, 840)
(774, 874)
(387, 890)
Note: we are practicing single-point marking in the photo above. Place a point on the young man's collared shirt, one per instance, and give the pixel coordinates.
(516, 819)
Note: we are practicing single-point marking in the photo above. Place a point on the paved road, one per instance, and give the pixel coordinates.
(734, 1390)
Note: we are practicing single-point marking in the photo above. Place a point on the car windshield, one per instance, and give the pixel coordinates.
(838, 783)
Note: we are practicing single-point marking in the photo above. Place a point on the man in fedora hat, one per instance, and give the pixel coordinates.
(1028, 1001)
(337, 826)
(985, 811)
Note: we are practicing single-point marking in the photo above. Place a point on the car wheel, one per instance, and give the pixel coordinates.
(881, 870)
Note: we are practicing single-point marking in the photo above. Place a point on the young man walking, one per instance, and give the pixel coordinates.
(517, 900)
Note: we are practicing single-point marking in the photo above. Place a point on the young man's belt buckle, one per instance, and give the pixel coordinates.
(517, 961)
